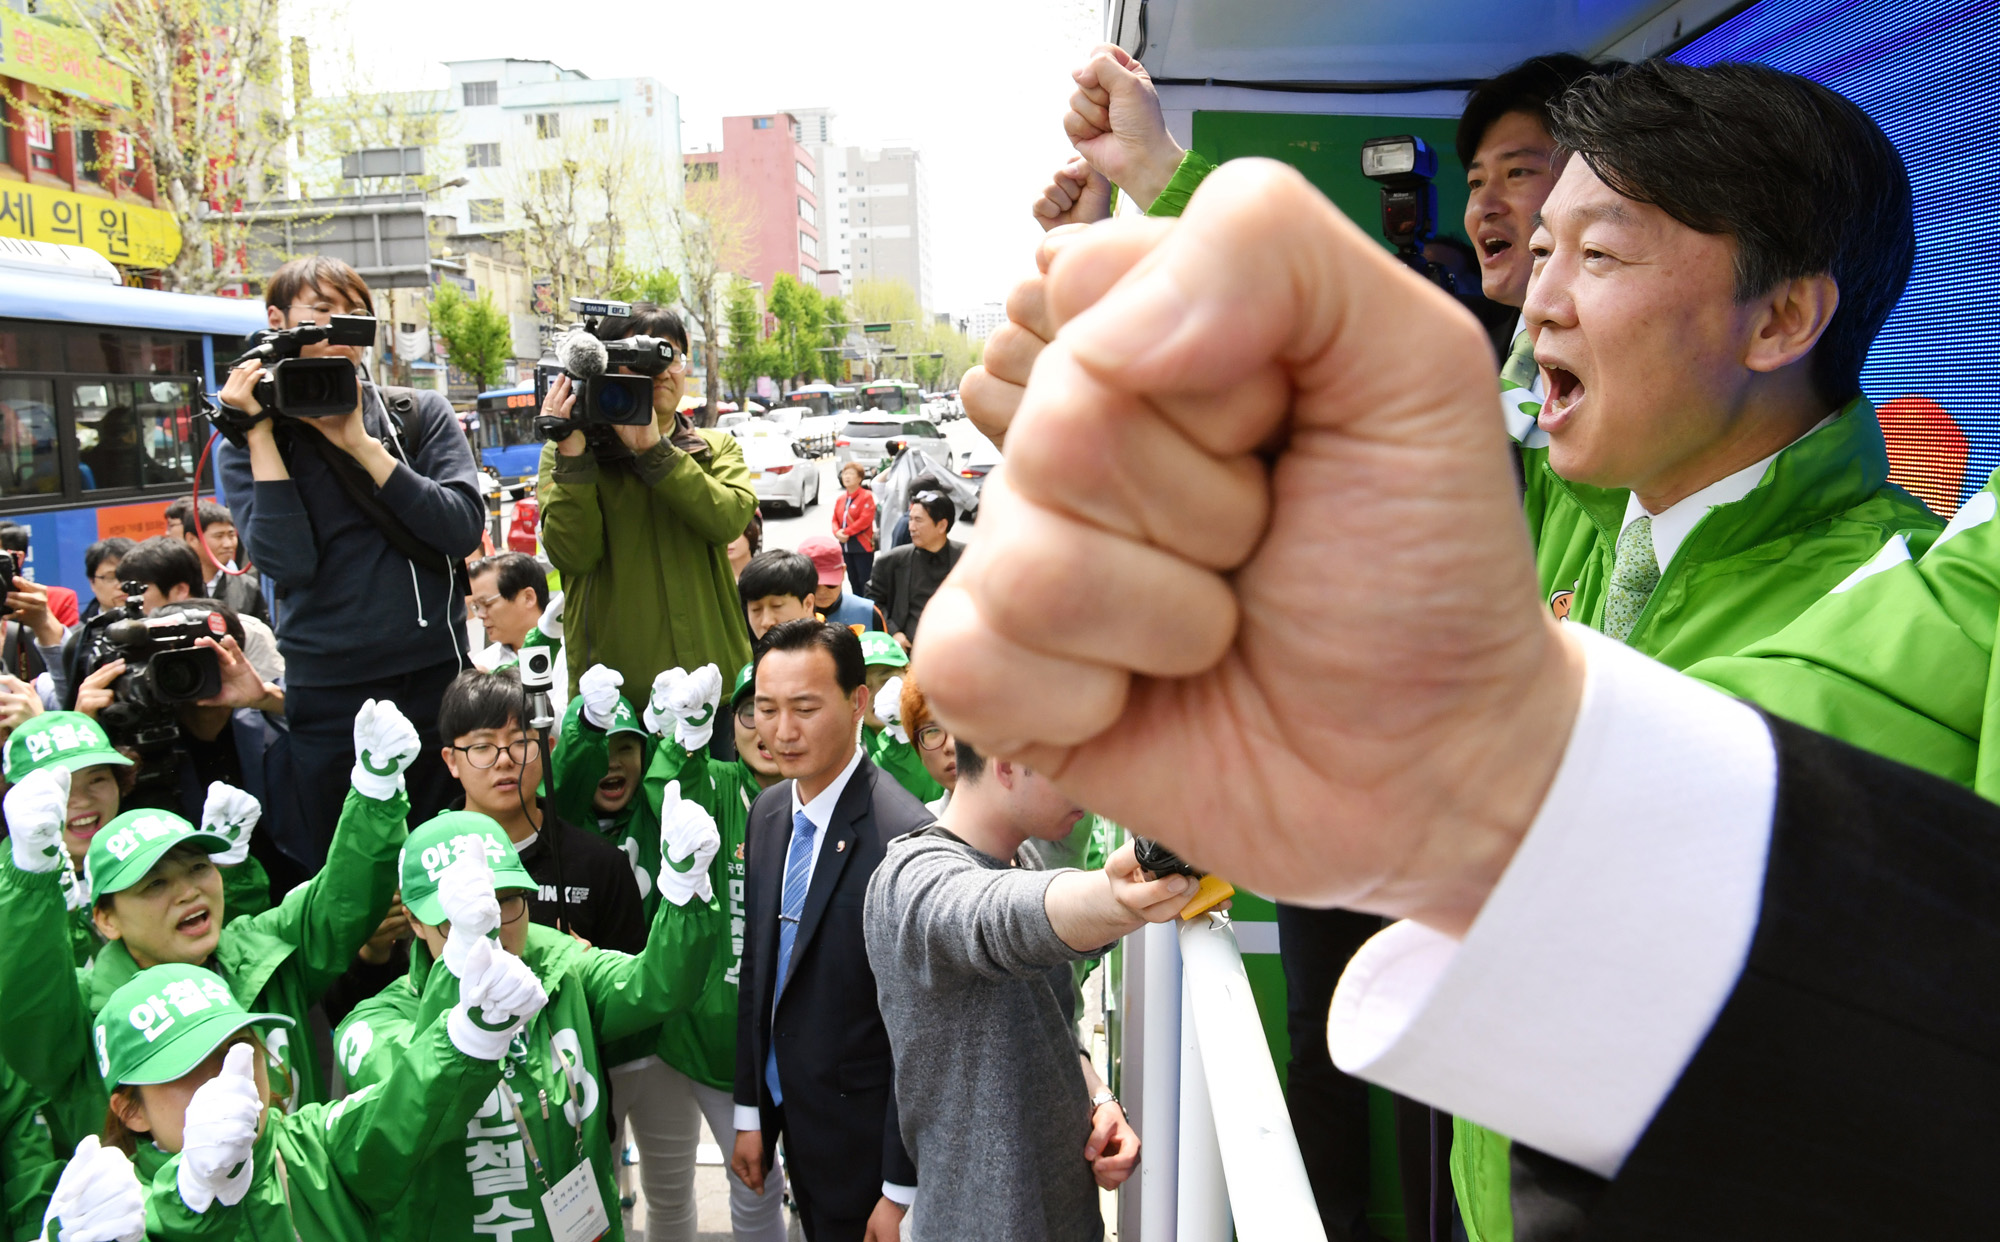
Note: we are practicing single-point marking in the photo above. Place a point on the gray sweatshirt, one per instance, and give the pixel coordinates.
(989, 1087)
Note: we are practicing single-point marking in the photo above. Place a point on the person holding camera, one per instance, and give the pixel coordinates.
(637, 519)
(363, 521)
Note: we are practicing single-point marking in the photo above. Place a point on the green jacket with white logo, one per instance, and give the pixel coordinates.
(276, 962)
(1897, 659)
(553, 1069)
(900, 760)
(348, 1171)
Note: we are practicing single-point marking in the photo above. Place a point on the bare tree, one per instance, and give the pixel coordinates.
(210, 112)
(576, 203)
(712, 231)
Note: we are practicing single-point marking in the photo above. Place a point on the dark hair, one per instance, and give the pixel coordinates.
(104, 550)
(178, 511)
(658, 322)
(937, 504)
(850, 670)
(163, 561)
(477, 700)
(13, 537)
(321, 272)
(1531, 87)
(1798, 176)
(513, 573)
(231, 619)
(754, 532)
(211, 513)
(777, 573)
(971, 764)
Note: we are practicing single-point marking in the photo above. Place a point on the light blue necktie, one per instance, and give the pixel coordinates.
(798, 870)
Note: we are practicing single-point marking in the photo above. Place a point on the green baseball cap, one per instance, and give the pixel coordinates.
(438, 844)
(746, 680)
(625, 720)
(880, 648)
(69, 740)
(125, 849)
(165, 1021)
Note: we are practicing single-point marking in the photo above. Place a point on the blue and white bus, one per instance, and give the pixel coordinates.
(504, 435)
(100, 399)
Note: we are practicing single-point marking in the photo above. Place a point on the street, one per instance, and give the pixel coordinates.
(784, 528)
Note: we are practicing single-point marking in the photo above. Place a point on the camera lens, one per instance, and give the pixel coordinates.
(615, 403)
(177, 680)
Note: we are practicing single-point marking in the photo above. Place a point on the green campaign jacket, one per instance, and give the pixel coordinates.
(646, 584)
(29, 1166)
(699, 1041)
(357, 1169)
(900, 760)
(1824, 508)
(1898, 658)
(276, 962)
(553, 1067)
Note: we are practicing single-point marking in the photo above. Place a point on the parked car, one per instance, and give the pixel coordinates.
(814, 433)
(779, 472)
(866, 439)
(976, 467)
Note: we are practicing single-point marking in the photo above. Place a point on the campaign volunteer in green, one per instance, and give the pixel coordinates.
(885, 743)
(157, 897)
(28, 1163)
(556, 1137)
(192, 1105)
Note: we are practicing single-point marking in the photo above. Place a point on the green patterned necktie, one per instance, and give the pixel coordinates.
(1519, 369)
(1635, 571)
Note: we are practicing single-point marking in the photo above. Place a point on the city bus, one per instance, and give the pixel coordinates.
(825, 400)
(101, 392)
(892, 397)
(504, 436)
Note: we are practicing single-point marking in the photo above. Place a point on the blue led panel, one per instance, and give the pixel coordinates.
(1928, 71)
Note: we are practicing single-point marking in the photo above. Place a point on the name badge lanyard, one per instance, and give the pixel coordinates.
(528, 1140)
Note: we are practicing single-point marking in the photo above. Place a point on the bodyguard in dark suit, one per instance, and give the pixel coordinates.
(812, 1058)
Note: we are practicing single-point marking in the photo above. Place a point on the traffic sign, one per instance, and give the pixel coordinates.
(876, 327)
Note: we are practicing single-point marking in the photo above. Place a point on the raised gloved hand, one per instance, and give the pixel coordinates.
(220, 1129)
(36, 810)
(385, 745)
(232, 814)
(98, 1198)
(688, 700)
(552, 622)
(497, 995)
(688, 842)
(598, 688)
(75, 888)
(889, 709)
(465, 892)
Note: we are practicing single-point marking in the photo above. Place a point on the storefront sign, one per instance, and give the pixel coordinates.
(125, 233)
(60, 58)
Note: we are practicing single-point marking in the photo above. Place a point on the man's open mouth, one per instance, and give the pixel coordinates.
(1565, 393)
(1491, 248)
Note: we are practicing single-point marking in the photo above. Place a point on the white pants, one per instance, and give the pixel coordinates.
(662, 1110)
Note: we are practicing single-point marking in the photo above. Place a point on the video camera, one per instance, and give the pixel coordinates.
(1404, 166)
(602, 398)
(164, 668)
(308, 387)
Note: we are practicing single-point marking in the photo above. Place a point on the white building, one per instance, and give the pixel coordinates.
(980, 322)
(874, 208)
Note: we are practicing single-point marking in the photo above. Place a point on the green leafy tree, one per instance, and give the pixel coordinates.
(748, 355)
(476, 334)
(804, 317)
(660, 286)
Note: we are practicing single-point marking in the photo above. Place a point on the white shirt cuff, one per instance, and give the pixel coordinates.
(1617, 933)
(901, 1195)
(748, 1118)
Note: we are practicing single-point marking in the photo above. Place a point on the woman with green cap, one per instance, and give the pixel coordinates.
(887, 745)
(157, 897)
(555, 1140)
(191, 1104)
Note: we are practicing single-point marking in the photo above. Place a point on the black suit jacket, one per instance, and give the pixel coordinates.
(1850, 1087)
(834, 1062)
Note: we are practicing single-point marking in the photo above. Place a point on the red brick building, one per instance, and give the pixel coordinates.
(776, 180)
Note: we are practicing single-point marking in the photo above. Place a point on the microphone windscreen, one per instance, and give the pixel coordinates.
(582, 355)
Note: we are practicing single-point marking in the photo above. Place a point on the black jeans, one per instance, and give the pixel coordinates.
(860, 567)
(322, 754)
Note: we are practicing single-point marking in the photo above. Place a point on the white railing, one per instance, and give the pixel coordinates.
(1218, 1148)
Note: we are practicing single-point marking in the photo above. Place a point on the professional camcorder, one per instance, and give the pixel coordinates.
(1404, 166)
(164, 668)
(308, 387)
(602, 397)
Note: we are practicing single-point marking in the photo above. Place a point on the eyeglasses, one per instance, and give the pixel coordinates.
(480, 603)
(512, 907)
(746, 715)
(105, 575)
(321, 313)
(483, 755)
(932, 737)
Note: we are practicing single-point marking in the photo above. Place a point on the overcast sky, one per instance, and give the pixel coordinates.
(979, 88)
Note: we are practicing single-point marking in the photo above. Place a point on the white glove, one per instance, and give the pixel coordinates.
(37, 809)
(598, 688)
(75, 888)
(220, 1129)
(99, 1198)
(551, 622)
(385, 745)
(497, 995)
(658, 714)
(689, 700)
(232, 814)
(465, 890)
(889, 709)
(688, 842)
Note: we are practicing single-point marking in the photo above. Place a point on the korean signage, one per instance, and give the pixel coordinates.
(125, 233)
(60, 59)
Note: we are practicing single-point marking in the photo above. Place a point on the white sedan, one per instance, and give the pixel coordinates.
(779, 473)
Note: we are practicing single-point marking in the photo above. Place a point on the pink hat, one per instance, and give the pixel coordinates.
(825, 555)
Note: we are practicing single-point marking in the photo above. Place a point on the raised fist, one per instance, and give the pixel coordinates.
(220, 1129)
(36, 810)
(231, 814)
(688, 842)
(598, 688)
(98, 1198)
(385, 745)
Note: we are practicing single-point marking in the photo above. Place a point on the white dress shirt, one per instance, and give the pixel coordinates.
(1601, 959)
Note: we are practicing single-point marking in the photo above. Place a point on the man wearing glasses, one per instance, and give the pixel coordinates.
(586, 882)
(363, 521)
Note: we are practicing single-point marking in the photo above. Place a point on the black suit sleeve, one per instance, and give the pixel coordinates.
(748, 1093)
(1850, 1087)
